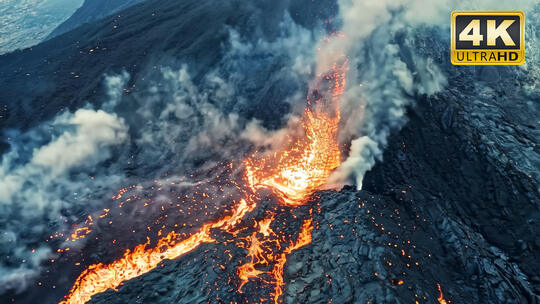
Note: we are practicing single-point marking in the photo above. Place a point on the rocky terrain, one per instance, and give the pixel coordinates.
(462, 219)
(450, 211)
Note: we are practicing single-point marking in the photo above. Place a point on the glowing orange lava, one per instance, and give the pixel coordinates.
(262, 253)
(441, 296)
(303, 239)
(82, 232)
(298, 171)
(259, 252)
(99, 277)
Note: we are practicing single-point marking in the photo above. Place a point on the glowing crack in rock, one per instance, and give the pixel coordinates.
(303, 239)
(441, 296)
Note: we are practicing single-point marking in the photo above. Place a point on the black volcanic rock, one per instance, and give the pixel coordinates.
(472, 152)
(386, 250)
(65, 74)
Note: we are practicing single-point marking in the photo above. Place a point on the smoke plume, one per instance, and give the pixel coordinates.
(38, 184)
(386, 74)
(56, 174)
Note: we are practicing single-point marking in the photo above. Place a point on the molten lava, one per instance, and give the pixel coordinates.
(261, 254)
(292, 174)
(258, 253)
(99, 277)
(441, 296)
(298, 171)
(303, 239)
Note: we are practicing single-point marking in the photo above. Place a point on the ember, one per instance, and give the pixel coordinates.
(296, 172)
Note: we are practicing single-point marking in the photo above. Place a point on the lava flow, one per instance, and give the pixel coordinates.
(292, 174)
(296, 172)
(98, 278)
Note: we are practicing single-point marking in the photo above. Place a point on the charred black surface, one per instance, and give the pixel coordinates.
(383, 249)
(468, 154)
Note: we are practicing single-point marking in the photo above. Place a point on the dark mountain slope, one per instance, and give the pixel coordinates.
(438, 210)
(92, 10)
(351, 260)
(443, 160)
(67, 71)
(63, 72)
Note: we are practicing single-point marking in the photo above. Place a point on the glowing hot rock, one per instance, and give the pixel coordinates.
(296, 173)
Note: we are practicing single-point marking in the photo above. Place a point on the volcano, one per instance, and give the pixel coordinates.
(285, 152)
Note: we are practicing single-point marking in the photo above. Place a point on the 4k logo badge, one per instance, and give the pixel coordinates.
(487, 37)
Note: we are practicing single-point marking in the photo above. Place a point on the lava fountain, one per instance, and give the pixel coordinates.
(297, 171)
(293, 174)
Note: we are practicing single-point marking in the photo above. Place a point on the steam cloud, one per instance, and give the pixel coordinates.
(386, 75)
(35, 189)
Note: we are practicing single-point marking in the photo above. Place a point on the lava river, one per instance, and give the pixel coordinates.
(291, 173)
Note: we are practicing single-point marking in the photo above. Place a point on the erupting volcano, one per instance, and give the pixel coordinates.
(288, 151)
(292, 173)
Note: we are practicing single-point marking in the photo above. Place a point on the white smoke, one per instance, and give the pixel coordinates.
(94, 132)
(188, 122)
(84, 145)
(58, 173)
(115, 86)
(188, 125)
(294, 42)
(381, 83)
